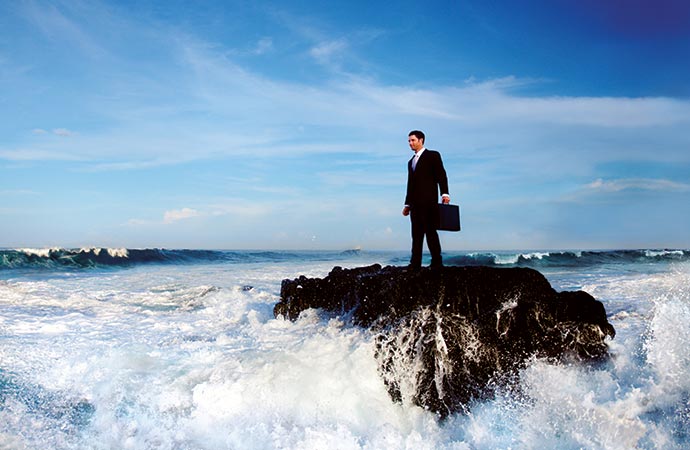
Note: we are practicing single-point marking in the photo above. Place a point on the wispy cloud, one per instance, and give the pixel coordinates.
(326, 52)
(179, 214)
(165, 99)
(263, 46)
(240, 209)
(618, 188)
(63, 132)
(252, 115)
(209, 105)
(40, 153)
(644, 184)
(54, 21)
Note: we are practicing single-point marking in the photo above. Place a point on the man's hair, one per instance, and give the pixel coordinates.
(418, 134)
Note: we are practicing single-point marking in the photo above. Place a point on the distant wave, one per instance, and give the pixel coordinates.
(60, 258)
(94, 258)
(567, 258)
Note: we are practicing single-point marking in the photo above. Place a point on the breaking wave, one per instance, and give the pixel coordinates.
(95, 257)
(568, 258)
(60, 258)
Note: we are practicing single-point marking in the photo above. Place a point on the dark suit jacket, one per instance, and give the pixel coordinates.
(424, 182)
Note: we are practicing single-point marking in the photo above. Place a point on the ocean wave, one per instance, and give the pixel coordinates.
(56, 258)
(97, 257)
(580, 258)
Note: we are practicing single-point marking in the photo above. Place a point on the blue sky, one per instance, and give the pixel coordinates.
(283, 125)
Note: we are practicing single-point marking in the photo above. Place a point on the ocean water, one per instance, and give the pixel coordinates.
(165, 349)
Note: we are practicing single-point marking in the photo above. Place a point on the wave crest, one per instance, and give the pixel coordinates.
(568, 258)
(57, 258)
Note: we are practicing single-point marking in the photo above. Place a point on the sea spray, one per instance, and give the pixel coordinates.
(666, 348)
(175, 355)
(405, 350)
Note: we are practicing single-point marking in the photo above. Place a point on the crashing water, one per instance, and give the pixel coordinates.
(164, 349)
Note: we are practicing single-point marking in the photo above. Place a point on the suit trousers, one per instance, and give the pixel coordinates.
(424, 220)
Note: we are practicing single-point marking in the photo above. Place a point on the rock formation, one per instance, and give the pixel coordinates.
(446, 337)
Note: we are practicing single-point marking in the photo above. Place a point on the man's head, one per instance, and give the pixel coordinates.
(416, 140)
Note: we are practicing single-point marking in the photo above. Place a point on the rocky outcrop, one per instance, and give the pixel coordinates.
(446, 337)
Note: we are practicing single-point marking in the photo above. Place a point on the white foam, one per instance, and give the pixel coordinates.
(668, 338)
(46, 252)
(41, 252)
(535, 255)
(579, 408)
(113, 252)
(183, 357)
(655, 253)
(511, 258)
(118, 252)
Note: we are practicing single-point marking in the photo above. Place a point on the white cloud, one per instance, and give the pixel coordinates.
(220, 108)
(645, 184)
(241, 209)
(64, 22)
(179, 214)
(208, 106)
(39, 153)
(62, 132)
(263, 46)
(324, 52)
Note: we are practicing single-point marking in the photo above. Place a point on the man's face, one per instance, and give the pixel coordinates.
(416, 144)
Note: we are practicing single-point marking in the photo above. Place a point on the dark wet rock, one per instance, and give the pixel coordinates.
(448, 336)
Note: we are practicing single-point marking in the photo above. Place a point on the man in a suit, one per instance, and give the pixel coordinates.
(425, 176)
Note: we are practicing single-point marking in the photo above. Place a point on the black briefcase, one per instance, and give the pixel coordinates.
(448, 217)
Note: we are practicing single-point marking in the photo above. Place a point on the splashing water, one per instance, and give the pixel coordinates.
(189, 356)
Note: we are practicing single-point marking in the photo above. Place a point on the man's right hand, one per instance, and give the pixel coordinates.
(406, 211)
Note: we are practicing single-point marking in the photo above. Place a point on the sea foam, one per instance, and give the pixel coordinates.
(173, 356)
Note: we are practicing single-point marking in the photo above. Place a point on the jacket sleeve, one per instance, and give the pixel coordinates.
(408, 196)
(440, 174)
